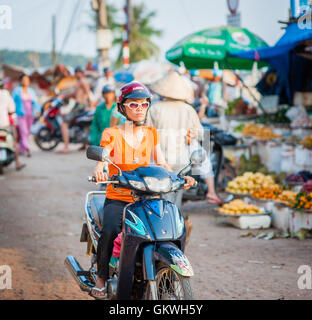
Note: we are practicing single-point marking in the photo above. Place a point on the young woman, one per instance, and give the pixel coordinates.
(26, 106)
(130, 145)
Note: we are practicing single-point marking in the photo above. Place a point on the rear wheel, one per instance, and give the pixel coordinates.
(45, 139)
(227, 174)
(169, 285)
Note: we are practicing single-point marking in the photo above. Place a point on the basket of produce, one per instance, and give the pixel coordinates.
(285, 198)
(248, 182)
(279, 118)
(302, 202)
(239, 109)
(299, 178)
(260, 132)
(267, 193)
(307, 142)
(238, 208)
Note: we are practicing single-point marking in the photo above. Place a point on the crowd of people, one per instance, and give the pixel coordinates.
(137, 125)
(176, 111)
(17, 113)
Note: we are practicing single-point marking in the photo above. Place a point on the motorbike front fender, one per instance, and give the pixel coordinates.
(171, 255)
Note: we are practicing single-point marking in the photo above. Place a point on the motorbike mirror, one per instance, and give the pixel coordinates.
(198, 156)
(100, 154)
(97, 153)
(184, 171)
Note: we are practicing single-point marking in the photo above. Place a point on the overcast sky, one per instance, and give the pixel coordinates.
(31, 21)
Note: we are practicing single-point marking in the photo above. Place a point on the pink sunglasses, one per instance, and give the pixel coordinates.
(135, 105)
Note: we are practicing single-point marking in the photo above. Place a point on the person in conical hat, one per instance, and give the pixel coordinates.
(179, 128)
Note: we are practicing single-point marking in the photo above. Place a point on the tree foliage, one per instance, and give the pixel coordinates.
(142, 31)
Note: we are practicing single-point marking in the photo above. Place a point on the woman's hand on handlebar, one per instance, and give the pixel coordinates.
(99, 174)
(189, 182)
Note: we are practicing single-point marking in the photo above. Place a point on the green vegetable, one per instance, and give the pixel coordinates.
(239, 128)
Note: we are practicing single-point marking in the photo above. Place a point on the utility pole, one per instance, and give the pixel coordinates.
(126, 35)
(53, 53)
(102, 32)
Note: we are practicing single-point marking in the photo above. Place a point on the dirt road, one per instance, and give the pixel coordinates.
(41, 213)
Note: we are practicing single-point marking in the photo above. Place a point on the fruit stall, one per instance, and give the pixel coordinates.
(264, 200)
(281, 148)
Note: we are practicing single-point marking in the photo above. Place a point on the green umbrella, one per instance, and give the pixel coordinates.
(201, 49)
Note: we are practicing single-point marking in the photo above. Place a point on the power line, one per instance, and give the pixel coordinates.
(187, 15)
(70, 26)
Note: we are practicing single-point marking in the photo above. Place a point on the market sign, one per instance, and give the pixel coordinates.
(234, 20)
(233, 6)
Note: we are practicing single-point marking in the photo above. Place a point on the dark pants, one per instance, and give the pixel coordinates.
(113, 214)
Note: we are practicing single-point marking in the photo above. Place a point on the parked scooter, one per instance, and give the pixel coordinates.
(152, 264)
(49, 135)
(221, 166)
(6, 148)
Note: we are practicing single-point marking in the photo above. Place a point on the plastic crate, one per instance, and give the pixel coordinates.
(250, 222)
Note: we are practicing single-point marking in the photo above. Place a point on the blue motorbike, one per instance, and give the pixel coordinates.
(152, 264)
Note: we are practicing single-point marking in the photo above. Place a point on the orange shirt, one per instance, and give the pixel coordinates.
(126, 157)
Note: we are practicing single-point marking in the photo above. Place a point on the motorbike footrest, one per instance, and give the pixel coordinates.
(83, 273)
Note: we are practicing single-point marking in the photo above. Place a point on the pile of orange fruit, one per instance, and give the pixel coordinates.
(307, 142)
(259, 132)
(286, 197)
(267, 193)
(303, 201)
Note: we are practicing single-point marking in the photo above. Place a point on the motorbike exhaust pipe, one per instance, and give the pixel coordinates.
(78, 273)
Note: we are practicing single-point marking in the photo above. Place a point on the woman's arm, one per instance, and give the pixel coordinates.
(202, 112)
(98, 172)
(35, 103)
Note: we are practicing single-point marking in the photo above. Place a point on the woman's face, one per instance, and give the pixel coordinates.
(136, 114)
(25, 81)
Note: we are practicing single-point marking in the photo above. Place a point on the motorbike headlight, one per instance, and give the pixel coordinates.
(158, 185)
(137, 184)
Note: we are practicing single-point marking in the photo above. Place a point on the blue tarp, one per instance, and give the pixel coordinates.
(292, 37)
(279, 57)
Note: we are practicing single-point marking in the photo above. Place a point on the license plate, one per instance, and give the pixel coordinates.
(3, 155)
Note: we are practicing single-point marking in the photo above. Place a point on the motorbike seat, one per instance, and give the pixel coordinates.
(97, 209)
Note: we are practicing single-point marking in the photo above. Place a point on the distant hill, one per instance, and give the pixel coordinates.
(31, 59)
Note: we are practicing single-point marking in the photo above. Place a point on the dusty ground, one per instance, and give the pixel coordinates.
(41, 213)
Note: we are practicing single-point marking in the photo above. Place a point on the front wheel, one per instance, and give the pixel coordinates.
(45, 139)
(169, 285)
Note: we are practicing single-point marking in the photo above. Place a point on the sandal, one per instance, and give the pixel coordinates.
(20, 167)
(215, 201)
(98, 297)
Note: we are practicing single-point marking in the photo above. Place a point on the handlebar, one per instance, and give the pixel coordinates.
(92, 179)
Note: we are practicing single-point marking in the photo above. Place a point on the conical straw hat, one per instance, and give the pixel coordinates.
(174, 86)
